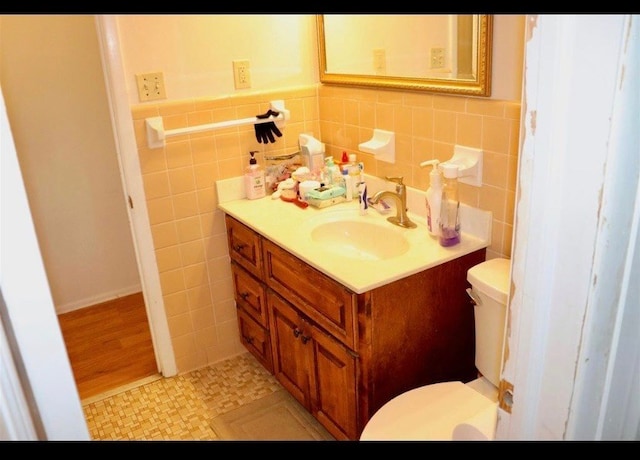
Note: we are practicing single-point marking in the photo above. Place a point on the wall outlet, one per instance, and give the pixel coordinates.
(151, 86)
(241, 74)
(437, 58)
(379, 61)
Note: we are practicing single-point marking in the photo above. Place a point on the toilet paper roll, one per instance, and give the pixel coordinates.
(480, 427)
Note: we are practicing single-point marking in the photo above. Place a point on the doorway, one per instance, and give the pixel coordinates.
(57, 102)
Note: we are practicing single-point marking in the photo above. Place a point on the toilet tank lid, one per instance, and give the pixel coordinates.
(492, 278)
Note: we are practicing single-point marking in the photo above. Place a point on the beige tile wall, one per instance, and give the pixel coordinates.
(188, 231)
(179, 181)
(427, 127)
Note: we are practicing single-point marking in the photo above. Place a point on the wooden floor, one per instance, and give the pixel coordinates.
(109, 344)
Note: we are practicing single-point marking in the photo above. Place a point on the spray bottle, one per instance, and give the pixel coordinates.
(433, 198)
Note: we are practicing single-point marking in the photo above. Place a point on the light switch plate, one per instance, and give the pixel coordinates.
(379, 61)
(151, 86)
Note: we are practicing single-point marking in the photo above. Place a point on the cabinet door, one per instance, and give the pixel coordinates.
(289, 345)
(333, 385)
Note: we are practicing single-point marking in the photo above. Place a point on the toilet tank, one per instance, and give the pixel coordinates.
(490, 289)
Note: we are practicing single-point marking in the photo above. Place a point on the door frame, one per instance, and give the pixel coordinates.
(131, 176)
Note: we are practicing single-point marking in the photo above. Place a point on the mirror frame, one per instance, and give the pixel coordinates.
(480, 86)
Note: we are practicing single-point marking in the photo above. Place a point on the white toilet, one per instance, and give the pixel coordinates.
(454, 410)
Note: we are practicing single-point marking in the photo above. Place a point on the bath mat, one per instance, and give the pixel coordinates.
(276, 417)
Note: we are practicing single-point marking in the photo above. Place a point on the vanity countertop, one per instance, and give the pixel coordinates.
(284, 223)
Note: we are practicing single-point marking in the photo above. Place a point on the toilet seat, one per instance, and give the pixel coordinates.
(430, 412)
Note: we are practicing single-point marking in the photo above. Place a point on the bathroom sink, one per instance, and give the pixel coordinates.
(358, 237)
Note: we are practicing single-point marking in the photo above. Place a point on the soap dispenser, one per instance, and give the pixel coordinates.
(254, 183)
(433, 197)
(449, 207)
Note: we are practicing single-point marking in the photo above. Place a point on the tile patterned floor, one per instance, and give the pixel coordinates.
(180, 407)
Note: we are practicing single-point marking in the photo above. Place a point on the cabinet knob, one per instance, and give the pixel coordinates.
(239, 247)
(305, 338)
(244, 295)
(296, 332)
(248, 339)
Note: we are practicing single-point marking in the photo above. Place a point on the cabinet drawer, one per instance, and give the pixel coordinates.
(249, 294)
(256, 339)
(244, 246)
(322, 299)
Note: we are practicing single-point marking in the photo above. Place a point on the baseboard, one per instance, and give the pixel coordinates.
(100, 298)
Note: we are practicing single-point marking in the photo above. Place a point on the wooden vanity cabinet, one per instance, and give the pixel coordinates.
(416, 331)
(319, 371)
(343, 355)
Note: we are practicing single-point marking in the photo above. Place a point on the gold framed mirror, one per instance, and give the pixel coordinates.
(446, 53)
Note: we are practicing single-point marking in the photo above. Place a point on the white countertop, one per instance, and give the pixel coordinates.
(283, 223)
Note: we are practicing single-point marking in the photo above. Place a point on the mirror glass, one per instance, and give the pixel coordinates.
(443, 53)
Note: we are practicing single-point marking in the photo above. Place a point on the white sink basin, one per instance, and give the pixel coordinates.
(358, 238)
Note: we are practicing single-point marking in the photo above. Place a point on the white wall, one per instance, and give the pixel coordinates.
(195, 52)
(57, 103)
(506, 79)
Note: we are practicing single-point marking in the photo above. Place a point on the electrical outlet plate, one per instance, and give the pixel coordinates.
(437, 58)
(151, 86)
(241, 74)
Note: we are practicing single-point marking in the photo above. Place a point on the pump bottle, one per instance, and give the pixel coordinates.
(433, 197)
(254, 182)
(449, 207)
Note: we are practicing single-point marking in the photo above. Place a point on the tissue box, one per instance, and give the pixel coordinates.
(324, 203)
(325, 193)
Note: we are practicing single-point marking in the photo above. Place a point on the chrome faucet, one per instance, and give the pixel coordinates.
(400, 196)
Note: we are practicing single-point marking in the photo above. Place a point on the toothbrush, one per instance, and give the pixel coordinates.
(362, 197)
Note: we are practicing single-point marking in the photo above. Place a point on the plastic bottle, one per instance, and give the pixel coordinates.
(354, 171)
(348, 185)
(332, 175)
(449, 207)
(254, 182)
(434, 197)
(344, 161)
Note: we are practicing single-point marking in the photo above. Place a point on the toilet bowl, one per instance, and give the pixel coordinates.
(456, 410)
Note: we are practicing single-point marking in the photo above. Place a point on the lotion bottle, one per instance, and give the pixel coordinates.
(254, 182)
(433, 198)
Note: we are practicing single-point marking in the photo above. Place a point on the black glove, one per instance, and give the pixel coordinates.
(261, 135)
(265, 131)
